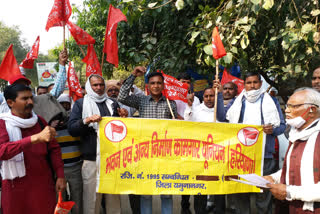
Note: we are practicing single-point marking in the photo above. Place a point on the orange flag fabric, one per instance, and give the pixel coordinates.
(9, 66)
(110, 41)
(218, 50)
(93, 65)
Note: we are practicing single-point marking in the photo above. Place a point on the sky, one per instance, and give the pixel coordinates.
(31, 18)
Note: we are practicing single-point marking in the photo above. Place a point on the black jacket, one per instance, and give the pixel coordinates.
(88, 136)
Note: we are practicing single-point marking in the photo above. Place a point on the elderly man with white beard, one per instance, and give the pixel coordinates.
(256, 107)
(298, 181)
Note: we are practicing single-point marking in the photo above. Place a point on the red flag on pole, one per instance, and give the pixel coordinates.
(80, 36)
(218, 50)
(117, 129)
(110, 41)
(174, 89)
(227, 77)
(31, 55)
(60, 13)
(93, 65)
(63, 207)
(74, 85)
(9, 67)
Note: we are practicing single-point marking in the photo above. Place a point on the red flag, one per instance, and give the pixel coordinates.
(227, 77)
(60, 13)
(93, 65)
(9, 66)
(218, 50)
(110, 41)
(63, 207)
(117, 129)
(31, 55)
(74, 85)
(80, 36)
(250, 135)
(174, 89)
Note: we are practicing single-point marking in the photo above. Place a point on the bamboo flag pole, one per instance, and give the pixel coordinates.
(216, 93)
(82, 51)
(173, 117)
(102, 60)
(64, 35)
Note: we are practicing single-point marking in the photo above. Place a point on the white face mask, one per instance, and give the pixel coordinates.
(296, 122)
(253, 95)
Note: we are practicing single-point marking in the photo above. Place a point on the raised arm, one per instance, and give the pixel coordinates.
(60, 83)
(124, 97)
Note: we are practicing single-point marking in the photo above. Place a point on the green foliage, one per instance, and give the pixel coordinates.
(150, 33)
(278, 39)
(12, 35)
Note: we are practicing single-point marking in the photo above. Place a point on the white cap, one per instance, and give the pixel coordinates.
(64, 98)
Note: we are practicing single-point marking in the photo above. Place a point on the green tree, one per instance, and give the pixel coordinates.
(153, 30)
(278, 39)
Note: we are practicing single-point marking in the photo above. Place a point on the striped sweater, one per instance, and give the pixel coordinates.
(71, 154)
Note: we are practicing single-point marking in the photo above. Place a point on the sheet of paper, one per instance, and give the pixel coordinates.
(253, 178)
(249, 183)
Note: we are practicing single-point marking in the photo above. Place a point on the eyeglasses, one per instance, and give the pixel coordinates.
(291, 106)
(113, 90)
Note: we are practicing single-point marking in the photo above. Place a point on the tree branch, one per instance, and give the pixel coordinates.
(295, 7)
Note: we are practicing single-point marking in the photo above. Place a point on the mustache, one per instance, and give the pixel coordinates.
(30, 106)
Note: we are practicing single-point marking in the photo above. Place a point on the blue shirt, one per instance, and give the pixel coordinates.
(60, 83)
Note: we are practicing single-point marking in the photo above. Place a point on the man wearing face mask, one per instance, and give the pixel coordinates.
(298, 181)
(255, 106)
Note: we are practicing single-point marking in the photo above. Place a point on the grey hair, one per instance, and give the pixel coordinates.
(96, 76)
(312, 96)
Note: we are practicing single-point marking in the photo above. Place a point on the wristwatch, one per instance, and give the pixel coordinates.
(289, 198)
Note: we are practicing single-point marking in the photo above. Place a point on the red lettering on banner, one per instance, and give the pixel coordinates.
(142, 150)
(186, 147)
(213, 151)
(113, 162)
(160, 147)
(127, 156)
(240, 161)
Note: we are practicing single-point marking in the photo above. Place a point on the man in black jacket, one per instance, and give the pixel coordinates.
(83, 122)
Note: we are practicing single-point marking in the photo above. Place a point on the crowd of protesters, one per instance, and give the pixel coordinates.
(48, 143)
